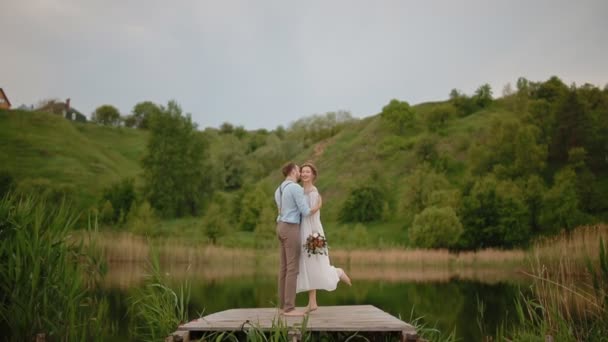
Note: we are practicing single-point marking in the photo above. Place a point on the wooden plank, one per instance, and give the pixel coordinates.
(362, 318)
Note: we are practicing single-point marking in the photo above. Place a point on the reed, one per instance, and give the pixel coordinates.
(47, 279)
(155, 309)
(569, 299)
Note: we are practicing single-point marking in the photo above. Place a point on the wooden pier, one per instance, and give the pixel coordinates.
(364, 319)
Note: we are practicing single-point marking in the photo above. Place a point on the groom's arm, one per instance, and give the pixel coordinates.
(298, 195)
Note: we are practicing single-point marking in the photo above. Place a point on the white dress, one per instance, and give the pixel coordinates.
(315, 271)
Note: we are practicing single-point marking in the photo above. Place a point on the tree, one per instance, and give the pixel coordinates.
(465, 105)
(573, 129)
(483, 95)
(398, 114)
(561, 203)
(174, 163)
(552, 90)
(534, 189)
(106, 115)
(142, 112)
(510, 150)
(265, 229)
(214, 224)
(252, 205)
(494, 214)
(435, 228)
(421, 184)
(364, 204)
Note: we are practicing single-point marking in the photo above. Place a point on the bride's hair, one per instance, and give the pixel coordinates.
(312, 167)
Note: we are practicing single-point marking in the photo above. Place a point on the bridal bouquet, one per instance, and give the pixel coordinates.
(315, 244)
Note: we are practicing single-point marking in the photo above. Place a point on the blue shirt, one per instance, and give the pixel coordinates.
(292, 204)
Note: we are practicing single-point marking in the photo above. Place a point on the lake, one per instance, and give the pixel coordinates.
(448, 299)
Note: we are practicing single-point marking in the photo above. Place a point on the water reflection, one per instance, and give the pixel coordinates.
(447, 298)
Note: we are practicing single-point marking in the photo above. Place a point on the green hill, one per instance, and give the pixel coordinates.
(505, 170)
(41, 148)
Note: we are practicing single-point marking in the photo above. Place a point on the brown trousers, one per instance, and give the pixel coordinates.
(289, 240)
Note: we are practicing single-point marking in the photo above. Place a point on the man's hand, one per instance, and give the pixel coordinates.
(318, 206)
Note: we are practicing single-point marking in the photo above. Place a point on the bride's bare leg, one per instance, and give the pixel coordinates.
(344, 277)
(312, 300)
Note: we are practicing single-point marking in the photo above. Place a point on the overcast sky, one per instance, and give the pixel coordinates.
(261, 64)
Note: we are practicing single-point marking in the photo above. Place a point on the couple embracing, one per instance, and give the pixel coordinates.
(298, 218)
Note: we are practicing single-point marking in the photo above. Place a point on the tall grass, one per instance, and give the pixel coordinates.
(155, 309)
(569, 299)
(47, 279)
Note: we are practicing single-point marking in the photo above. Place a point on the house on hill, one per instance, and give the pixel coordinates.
(64, 109)
(4, 102)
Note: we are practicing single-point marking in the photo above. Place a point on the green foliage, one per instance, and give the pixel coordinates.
(215, 225)
(483, 96)
(312, 129)
(173, 165)
(534, 189)
(438, 118)
(252, 204)
(143, 112)
(155, 309)
(421, 184)
(574, 127)
(265, 229)
(106, 115)
(106, 214)
(561, 203)
(494, 214)
(233, 161)
(47, 278)
(426, 150)
(510, 150)
(435, 227)
(464, 104)
(142, 219)
(7, 183)
(44, 188)
(364, 204)
(121, 196)
(398, 114)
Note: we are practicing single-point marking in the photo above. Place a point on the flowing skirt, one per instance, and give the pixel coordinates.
(316, 273)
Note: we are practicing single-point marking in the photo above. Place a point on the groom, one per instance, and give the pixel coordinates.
(292, 205)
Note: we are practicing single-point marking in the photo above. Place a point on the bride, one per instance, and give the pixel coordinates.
(316, 273)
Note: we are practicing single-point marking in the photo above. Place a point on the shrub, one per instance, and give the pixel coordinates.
(436, 228)
(142, 218)
(364, 204)
(215, 223)
(121, 195)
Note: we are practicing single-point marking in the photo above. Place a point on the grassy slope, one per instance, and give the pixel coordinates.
(352, 157)
(84, 156)
(91, 157)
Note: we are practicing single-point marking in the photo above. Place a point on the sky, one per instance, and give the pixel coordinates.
(265, 63)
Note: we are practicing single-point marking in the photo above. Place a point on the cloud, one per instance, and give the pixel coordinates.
(267, 63)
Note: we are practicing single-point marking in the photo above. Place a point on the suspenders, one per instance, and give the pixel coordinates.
(281, 188)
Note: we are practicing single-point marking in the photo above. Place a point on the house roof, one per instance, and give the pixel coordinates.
(5, 97)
